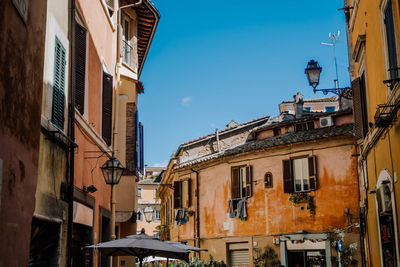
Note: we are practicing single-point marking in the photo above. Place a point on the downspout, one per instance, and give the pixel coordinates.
(71, 135)
(197, 210)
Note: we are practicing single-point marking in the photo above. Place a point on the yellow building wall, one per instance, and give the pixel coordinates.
(366, 18)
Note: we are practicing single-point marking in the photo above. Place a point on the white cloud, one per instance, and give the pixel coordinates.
(185, 101)
(161, 164)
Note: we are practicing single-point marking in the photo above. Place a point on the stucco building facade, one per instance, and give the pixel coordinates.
(22, 39)
(285, 173)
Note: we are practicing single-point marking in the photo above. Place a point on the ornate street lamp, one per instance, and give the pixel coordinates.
(313, 72)
(112, 172)
(148, 214)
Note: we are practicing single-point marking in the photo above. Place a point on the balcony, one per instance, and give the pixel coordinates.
(384, 115)
(129, 55)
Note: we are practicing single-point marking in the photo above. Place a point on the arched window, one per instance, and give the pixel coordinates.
(268, 180)
(385, 204)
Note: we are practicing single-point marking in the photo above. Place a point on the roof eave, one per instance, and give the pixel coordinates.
(157, 18)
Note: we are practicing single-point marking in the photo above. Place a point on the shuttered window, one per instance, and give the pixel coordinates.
(80, 67)
(241, 182)
(299, 174)
(391, 40)
(183, 194)
(57, 116)
(107, 107)
(360, 110)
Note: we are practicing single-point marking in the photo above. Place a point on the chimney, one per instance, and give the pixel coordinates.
(298, 105)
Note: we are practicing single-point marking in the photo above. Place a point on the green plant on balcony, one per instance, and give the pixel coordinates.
(303, 197)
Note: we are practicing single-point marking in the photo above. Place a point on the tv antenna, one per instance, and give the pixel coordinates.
(333, 38)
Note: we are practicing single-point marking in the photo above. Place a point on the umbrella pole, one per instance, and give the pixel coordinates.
(140, 262)
(167, 261)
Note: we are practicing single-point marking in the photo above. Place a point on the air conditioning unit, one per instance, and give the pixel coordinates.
(325, 122)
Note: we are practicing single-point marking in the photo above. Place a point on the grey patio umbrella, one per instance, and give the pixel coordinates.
(141, 246)
(185, 247)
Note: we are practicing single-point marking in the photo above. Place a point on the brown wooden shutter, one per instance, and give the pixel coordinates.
(235, 183)
(358, 108)
(312, 170)
(177, 195)
(249, 179)
(80, 67)
(107, 107)
(287, 176)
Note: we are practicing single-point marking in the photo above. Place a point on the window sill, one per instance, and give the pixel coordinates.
(128, 67)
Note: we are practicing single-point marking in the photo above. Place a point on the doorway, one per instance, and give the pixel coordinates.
(81, 237)
(307, 258)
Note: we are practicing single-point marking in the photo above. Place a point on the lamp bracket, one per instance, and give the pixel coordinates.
(345, 92)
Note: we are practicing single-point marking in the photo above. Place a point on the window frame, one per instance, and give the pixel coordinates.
(293, 161)
(289, 185)
(139, 192)
(126, 19)
(385, 44)
(178, 195)
(330, 107)
(245, 188)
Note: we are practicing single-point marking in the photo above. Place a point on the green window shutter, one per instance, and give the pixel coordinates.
(57, 116)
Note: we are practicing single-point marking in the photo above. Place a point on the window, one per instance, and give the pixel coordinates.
(80, 67)
(126, 40)
(307, 109)
(182, 194)
(330, 108)
(157, 216)
(268, 180)
(392, 67)
(155, 193)
(299, 174)
(139, 192)
(304, 126)
(241, 182)
(277, 131)
(106, 123)
(57, 116)
(110, 7)
(139, 216)
(155, 235)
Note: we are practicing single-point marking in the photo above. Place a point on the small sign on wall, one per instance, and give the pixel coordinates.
(22, 7)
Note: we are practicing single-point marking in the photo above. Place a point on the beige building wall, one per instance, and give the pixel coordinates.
(147, 197)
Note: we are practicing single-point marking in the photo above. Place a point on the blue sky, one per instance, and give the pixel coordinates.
(216, 61)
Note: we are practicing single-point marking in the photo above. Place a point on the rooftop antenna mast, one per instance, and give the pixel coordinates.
(333, 38)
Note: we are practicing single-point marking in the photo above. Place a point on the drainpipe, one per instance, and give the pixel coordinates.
(197, 210)
(71, 135)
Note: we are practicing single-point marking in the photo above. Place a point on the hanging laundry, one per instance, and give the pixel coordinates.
(242, 212)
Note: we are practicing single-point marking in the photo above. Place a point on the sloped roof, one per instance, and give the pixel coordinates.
(315, 100)
(226, 130)
(293, 137)
(285, 139)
